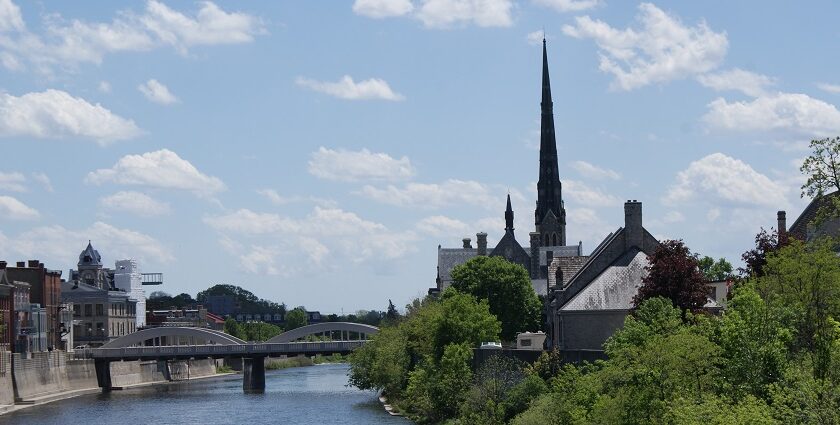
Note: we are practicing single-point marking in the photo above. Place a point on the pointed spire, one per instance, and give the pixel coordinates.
(549, 188)
(547, 104)
(508, 216)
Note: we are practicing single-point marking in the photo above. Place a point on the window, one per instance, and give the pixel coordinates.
(88, 310)
(100, 329)
(77, 310)
(99, 310)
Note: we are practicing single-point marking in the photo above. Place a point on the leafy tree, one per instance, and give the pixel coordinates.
(716, 410)
(756, 258)
(247, 302)
(673, 273)
(232, 327)
(296, 318)
(392, 313)
(507, 287)
(715, 270)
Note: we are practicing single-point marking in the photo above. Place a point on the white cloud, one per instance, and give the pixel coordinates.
(382, 8)
(157, 92)
(324, 231)
(434, 195)
(442, 226)
(104, 87)
(673, 217)
(713, 214)
(59, 247)
(44, 180)
(662, 50)
(747, 82)
(346, 88)
(483, 13)
(135, 203)
(57, 114)
(594, 172)
(350, 166)
(13, 209)
(793, 112)
(585, 225)
(568, 5)
(277, 199)
(66, 44)
(719, 179)
(535, 38)
(13, 182)
(830, 88)
(10, 17)
(587, 196)
(161, 169)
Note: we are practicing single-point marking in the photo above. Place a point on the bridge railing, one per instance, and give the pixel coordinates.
(221, 350)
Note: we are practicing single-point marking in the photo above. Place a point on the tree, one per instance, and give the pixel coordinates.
(296, 318)
(756, 258)
(822, 168)
(715, 271)
(507, 288)
(673, 273)
(392, 313)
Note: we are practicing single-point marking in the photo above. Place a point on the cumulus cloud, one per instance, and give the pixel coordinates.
(747, 82)
(13, 182)
(663, 49)
(44, 180)
(442, 13)
(157, 92)
(594, 172)
(568, 5)
(351, 166)
(346, 88)
(13, 209)
(277, 199)
(61, 246)
(68, 43)
(437, 195)
(588, 196)
(442, 226)
(162, 169)
(382, 8)
(135, 203)
(57, 114)
(830, 88)
(718, 180)
(793, 112)
(324, 231)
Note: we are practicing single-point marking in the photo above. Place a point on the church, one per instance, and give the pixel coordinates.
(586, 296)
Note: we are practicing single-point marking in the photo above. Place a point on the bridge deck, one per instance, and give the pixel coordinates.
(220, 350)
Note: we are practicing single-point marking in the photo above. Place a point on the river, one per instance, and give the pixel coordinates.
(302, 395)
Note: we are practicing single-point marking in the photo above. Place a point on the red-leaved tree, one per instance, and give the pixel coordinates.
(756, 258)
(673, 273)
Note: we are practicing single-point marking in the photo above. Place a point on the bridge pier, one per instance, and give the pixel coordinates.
(253, 374)
(103, 374)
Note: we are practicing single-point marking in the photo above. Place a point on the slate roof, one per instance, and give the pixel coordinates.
(569, 266)
(448, 258)
(95, 258)
(799, 228)
(615, 287)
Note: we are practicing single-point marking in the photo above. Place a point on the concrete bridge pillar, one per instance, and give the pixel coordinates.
(253, 374)
(103, 374)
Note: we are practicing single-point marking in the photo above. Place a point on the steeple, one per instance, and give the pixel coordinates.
(549, 188)
(508, 217)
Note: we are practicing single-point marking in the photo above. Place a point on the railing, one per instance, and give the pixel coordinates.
(220, 350)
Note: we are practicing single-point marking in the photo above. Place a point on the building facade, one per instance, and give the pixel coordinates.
(44, 290)
(127, 278)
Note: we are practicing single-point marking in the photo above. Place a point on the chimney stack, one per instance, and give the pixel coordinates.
(633, 231)
(481, 242)
(33, 264)
(2, 265)
(781, 218)
(535, 255)
(467, 243)
(21, 264)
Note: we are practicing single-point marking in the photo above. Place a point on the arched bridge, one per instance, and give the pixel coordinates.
(200, 343)
(345, 329)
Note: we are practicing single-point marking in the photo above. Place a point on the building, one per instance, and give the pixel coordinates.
(805, 227)
(44, 290)
(222, 305)
(101, 311)
(7, 293)
(548, 240)
(127, 278)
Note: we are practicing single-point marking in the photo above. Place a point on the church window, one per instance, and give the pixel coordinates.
(554, 239)
(559, 276)
(546, 243)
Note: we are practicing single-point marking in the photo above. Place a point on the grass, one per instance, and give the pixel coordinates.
(276, 364)
(224, 369)
(333, 358)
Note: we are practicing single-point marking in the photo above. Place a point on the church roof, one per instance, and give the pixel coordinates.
(615, 287)
(448, 258)
(799, 228)
(568, 265)
(90, 257)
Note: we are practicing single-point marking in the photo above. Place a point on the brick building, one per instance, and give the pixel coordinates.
(45, 290)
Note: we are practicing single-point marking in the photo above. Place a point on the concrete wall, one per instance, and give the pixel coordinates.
(137, 372)
(587, 330)
(51, 372)
(7, 391)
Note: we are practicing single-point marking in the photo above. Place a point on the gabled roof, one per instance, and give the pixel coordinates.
(799, 228)
(90, 257)
(615, 287)
(448, 258)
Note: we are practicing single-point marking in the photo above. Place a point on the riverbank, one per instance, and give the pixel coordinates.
(302, 361)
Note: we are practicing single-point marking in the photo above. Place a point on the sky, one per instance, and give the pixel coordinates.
(317, 153)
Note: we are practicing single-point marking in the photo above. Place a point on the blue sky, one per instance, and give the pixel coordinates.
(317, 153)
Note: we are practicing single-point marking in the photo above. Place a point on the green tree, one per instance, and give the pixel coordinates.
(296, 318)
(715, 270)
(507, 287)
(232, 327)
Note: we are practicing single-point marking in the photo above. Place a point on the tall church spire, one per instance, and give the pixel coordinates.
(549, 188)
(508, 217)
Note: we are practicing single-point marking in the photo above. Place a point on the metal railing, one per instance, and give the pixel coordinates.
(218, 350)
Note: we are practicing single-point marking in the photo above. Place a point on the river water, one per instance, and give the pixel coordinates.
(302, 395)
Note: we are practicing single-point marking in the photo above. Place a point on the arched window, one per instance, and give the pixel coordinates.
(546, 240)
(554, 239)
(558, 277)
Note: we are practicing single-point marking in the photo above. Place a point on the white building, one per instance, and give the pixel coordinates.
(127, 278)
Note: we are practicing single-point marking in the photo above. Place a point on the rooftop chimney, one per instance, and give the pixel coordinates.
(21, 264)
(2, 265)
(467, 243)
(481, 242)
(633, 231)
(781, 218)
(33, 264)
